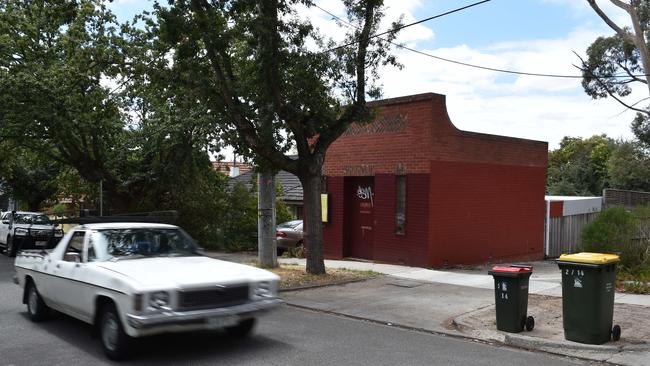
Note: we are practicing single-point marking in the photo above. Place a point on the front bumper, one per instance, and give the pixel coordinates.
(195, 317)
(29, 242)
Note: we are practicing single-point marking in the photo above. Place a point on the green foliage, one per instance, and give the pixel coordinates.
(612, 228)
(106, 104)
(606, 58)
(579, 167)
(584, 167)
(28, 175)
(240, 223)
(60, 210)
(629, 167)
(617, 230)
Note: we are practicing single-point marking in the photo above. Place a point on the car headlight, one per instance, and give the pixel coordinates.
(159, 299)
(58, 232)
(21, 232)
(265, 289)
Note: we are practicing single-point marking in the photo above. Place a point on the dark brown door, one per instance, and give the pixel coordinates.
(361, 202)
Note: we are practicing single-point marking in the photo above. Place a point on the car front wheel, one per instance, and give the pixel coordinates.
(115, 341)
(36, 307)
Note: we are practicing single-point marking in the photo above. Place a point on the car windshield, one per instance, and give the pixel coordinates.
(141, 242)
(39, 219)
(290, 224)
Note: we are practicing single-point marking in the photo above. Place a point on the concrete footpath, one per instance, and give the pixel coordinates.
(461, 303)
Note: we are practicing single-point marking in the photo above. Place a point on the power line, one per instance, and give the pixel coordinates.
(404, 26)
(514, 72)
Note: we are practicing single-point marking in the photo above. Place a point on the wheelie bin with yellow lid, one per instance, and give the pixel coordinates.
(588, 287)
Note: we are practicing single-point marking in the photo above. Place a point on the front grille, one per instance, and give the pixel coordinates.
(217, 297)
(41, 233)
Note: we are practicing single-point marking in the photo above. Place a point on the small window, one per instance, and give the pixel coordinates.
(400, 205)
(76, 245)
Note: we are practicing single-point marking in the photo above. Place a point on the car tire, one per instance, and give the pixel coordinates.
(243, 329)
(115, 342)
(36, 307)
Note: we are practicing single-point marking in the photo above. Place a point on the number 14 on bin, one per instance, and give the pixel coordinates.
(503, 287)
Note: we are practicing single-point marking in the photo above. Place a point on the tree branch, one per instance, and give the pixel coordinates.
(620, 31)
(604, 86)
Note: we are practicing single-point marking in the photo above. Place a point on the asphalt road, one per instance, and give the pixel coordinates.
(288, 336)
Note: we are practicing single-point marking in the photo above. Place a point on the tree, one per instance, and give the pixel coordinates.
(615, 63)
(579, 167)
(54, 56)
(28, 176)
(629, 167)
(275, 91)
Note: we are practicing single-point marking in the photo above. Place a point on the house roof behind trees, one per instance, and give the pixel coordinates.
(291, 186)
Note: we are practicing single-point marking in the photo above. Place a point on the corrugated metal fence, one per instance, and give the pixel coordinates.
(565, 233)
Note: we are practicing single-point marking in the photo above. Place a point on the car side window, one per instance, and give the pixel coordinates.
(76, 246)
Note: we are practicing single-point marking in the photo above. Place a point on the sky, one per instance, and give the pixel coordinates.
(538, 36)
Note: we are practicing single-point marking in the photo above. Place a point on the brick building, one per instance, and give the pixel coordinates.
(412, 188)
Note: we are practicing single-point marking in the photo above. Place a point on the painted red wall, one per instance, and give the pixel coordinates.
(485, 213)
(556, 209)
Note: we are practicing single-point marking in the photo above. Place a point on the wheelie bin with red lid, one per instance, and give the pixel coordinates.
(511, 297)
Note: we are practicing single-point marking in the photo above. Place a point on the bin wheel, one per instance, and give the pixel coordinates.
(530, 323)
(616, 332)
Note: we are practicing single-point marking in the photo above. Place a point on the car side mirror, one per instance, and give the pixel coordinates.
(72, 257)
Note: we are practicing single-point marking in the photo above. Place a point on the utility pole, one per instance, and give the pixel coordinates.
(101, 197)
(266, 239)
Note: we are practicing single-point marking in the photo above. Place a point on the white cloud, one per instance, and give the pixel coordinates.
(522, 106)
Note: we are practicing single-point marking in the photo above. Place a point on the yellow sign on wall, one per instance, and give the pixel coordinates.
(323, 206)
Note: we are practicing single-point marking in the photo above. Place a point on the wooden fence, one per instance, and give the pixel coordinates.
(627, 199)
(564, 235)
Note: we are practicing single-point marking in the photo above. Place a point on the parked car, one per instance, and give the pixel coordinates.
(27, 230)
(138, 279)
(289, 235)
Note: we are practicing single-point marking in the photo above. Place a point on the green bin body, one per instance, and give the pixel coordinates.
(511, 296)
(588, 300)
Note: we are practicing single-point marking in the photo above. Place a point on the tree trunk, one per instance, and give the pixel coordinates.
(266, 240)
(639, 42)
(311, 185)
(34, 204)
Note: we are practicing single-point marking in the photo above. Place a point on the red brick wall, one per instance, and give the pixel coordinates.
(485, 212)
(428, 135)
(333, 229)
(412, 247)
(488, 178)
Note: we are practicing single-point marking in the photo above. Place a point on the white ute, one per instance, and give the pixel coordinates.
(139, 279)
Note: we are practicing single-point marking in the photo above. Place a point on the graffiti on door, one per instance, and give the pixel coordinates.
(366, 193)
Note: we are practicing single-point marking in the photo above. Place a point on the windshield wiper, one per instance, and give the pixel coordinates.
(129, 256)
